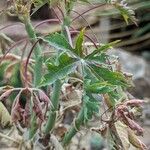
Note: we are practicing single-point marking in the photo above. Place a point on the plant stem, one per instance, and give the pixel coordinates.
(32, 35)
(80, 118)
(55, 102)
(37, 51)
(37, 68)
(74, 128)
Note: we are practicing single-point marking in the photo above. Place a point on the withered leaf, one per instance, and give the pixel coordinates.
(5, 118)
(123, 134)
(43, 97)
(135, 141)
(134, 102)
(133, 125)
(6, 94)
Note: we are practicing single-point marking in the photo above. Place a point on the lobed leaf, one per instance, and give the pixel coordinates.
(58, 41)
(66, 65)
(91, 107)
(103, 48)
(112, 77)
(100, 88)
(97, 58)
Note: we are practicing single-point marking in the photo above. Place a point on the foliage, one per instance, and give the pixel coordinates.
(97, 72)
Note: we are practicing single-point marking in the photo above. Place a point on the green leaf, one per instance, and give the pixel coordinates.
(100, 88)
(89, 76)
(91, 107)
(103, 48)
(58, 41)
(87, 1)
(79, 42)
(112, 77)
(99, 59)
(114, 97)
(66, 65)
(108, 46)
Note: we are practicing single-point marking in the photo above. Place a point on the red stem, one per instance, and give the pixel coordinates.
(61, 11)
(46, 21)
(27, 62)
(56, 15)
(10, 25)
(87, 24)
(19, 42)
(87, 11)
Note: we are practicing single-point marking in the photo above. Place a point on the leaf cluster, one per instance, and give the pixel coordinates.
(98, 75)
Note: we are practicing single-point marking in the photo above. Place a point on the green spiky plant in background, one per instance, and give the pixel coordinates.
(102, 83)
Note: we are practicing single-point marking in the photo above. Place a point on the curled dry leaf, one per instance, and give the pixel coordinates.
(37, 108)
(135, 141)
(134, 102)
(20, 113)
(26, 113)
(133, 125)
(43, 97)
(122, 134)
(16, 110)
(5, 118)
(124, 113)
(6, 94)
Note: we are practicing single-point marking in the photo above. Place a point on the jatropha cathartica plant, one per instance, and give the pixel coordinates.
(37, 101)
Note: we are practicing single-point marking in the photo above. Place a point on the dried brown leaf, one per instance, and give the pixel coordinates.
(133, 125)
(135, 141)
(38, 109)
(123, 134)
(16, 108)
(6, 94)
(43, 97)
(134, 102)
